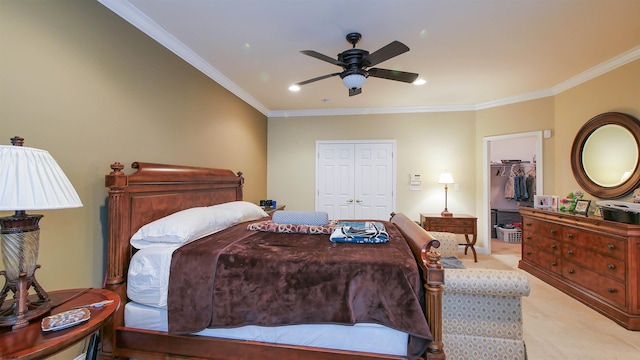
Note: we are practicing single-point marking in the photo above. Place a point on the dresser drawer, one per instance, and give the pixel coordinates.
(435, 224)
(604, 265)
(545, 260)
(543, 228)
(543, 243)
(607, 288)
(609, 246)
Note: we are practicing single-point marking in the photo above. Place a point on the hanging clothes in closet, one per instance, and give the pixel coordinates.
(520, 186)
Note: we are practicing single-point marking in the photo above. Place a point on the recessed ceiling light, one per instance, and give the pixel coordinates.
(294, 88)
(420, 82)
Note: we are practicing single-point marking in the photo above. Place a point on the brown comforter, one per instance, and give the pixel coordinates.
(238, 277)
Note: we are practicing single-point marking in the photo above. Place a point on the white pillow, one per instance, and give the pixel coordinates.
(248, 211)
(184, 226)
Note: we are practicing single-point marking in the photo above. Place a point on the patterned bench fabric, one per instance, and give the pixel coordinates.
(463, 347)
(448, 243)
(487, 282)
(481, 310)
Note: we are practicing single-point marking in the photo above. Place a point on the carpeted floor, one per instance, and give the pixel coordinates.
(557, 327)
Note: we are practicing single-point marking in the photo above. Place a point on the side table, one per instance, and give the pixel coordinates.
(30, 342)
(457, 224)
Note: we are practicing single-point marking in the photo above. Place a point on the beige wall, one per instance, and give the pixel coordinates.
(80, 82)
(426, 143)
(429, 143)
(618, 90)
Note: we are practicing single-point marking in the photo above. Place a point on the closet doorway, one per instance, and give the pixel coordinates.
(522, 155)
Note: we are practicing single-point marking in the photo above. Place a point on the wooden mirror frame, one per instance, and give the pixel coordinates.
(611, 118)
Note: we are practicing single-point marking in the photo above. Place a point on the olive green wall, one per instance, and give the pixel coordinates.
(83, 84)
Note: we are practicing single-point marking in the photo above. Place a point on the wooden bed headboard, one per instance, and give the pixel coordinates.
(150, 193)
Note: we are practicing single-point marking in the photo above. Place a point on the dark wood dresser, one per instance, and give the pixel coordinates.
(593, 260)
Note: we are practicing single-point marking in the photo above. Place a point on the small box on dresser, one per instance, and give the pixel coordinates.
(593, 260)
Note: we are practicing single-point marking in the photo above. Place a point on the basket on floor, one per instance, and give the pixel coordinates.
(509, 235)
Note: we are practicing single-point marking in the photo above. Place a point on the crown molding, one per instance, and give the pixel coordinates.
(134, 16)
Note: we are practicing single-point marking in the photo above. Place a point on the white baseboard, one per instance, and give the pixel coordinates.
(82, 356)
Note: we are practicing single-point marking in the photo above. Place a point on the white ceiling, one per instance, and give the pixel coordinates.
(474, 54)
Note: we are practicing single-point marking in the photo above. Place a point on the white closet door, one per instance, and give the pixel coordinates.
(335, 180)
(373, 181)
(355, 180)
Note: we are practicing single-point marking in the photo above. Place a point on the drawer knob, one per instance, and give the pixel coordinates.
(611, 290)
(611, 246)
(528, 224)
(571, 271)
(570, 252)
(570, 236)
(528, 253)
(529, 238)
(554, 263)
(611, 266)
(553, 231)
(553, 246)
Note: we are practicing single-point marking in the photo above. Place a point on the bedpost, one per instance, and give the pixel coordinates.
(420, 242)
(434, 279)
(118, 253)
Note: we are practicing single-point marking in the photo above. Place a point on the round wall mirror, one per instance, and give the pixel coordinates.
(605, 156)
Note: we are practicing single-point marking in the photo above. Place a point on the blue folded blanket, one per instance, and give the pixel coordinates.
(361, 232)
(319, 218)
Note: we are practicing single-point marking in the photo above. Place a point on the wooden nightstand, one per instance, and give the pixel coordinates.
(30, 342)
(457, 224)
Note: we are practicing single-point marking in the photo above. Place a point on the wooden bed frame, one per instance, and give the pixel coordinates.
(155, 191)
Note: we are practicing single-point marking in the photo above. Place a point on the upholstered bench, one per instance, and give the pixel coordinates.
(481, 310)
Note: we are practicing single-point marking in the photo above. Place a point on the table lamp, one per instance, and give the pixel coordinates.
(446, 178)
(30, 179)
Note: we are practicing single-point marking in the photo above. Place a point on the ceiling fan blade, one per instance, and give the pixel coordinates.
(353, 91)
(394, 48)
(393, 75)
(322, 57)
(317, 78)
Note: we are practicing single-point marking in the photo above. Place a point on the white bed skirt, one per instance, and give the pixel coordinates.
(360, 337)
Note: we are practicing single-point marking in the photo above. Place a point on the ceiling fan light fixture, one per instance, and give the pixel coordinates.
(354, 81)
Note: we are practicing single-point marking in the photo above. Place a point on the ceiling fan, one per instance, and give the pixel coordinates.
(356, 64)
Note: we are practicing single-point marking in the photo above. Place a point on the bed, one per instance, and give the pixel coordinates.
(154, 191)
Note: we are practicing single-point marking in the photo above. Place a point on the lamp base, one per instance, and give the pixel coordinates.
(446, 213)
(18, 311)
(20, 235)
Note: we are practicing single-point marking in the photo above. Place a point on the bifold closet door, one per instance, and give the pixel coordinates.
(355, 180)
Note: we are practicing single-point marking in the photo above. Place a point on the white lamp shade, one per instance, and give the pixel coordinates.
(30, 179)
(446, 178)
(354, 81)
